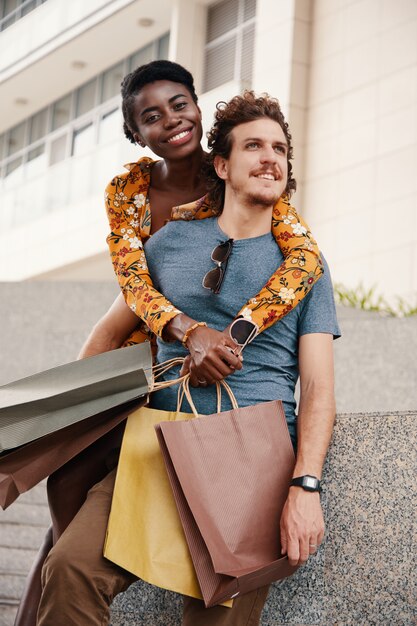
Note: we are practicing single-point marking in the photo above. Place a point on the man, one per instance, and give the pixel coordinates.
(249, 170)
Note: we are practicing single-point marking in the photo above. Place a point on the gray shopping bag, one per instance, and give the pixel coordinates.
(46, 402)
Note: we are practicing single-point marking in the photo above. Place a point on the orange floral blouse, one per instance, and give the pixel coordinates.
(129, 216)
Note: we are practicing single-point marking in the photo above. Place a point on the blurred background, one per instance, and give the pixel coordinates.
(345, 72)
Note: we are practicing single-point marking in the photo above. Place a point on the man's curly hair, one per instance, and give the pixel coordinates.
(239, 110)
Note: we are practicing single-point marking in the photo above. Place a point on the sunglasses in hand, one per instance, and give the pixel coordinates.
(242, 331)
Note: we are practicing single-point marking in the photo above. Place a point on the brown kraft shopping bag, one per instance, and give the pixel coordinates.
(24, 467)
(230, 474)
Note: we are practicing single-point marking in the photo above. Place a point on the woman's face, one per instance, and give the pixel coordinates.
(168, 119)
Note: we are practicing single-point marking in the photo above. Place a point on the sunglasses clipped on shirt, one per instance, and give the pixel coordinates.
(213, 280)
(242, 331)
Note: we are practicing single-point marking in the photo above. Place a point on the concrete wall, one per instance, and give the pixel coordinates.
(45, 324)
(360, 188)
(362, 576)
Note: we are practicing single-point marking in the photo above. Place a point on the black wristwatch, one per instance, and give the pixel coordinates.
(308, 483)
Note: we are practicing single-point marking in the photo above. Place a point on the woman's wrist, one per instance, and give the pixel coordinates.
(177, 327)
(190, 330)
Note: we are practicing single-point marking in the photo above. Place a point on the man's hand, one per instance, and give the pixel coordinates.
(212, 356)
(302, 525)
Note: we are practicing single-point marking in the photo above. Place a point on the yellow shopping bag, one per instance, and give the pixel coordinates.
(144, 533)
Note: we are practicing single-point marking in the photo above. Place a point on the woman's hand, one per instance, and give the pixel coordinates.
(211, 351)
(212, 356)
(190, 368)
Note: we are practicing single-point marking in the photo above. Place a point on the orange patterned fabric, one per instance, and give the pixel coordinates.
(129, 215)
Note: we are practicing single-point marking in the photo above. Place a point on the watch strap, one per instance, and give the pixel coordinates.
(307, 482)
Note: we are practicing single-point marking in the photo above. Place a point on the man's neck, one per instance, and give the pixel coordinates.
(240, 221)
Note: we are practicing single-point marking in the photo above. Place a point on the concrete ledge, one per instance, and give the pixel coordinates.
(363, 573)
(375, 362)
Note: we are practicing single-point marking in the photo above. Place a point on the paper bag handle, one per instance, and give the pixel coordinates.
(184, 385)
(185, 390)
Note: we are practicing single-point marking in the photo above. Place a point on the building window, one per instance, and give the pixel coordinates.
(58, 150)
(35, 143)
(145, 55)
(110, 125)
(13, 10)
(83, 139)
(16, 139)
(38, 126)
(36, 161)
(61, 112)
(12, 166)
(229, 43)
(110, 85)
(163, 47)
(86, 97)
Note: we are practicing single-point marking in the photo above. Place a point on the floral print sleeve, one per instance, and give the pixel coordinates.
(129, 217)
(128, 213)
(292, 281)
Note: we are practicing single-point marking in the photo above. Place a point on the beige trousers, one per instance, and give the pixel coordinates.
(79, 584)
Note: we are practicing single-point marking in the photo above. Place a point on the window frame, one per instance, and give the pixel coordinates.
(236, 33)
(69, 128)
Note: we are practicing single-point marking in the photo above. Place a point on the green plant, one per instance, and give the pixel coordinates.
(368, 300)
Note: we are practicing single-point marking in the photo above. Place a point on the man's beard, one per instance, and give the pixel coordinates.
(262, 200)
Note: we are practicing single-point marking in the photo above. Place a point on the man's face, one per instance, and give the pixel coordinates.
(256, 171)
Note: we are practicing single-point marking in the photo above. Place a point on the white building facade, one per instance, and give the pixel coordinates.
(345, 72)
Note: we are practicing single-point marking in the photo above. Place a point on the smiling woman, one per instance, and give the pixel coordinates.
(168, 121)
(160, 111)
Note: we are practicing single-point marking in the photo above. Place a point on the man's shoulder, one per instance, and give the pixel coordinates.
(318, 310)
(321, 288)
(325, 282)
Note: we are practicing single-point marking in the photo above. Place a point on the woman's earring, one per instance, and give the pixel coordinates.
(141, 143)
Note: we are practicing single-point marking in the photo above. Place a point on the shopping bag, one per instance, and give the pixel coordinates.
(230, 475)
(46, 402)
(24, 467)
(144, 533)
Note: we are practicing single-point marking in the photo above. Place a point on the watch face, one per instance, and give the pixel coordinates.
(310, 482)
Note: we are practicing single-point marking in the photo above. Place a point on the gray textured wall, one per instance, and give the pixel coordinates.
(45, 324)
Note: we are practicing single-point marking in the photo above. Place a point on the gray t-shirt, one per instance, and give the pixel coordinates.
(179, 256)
